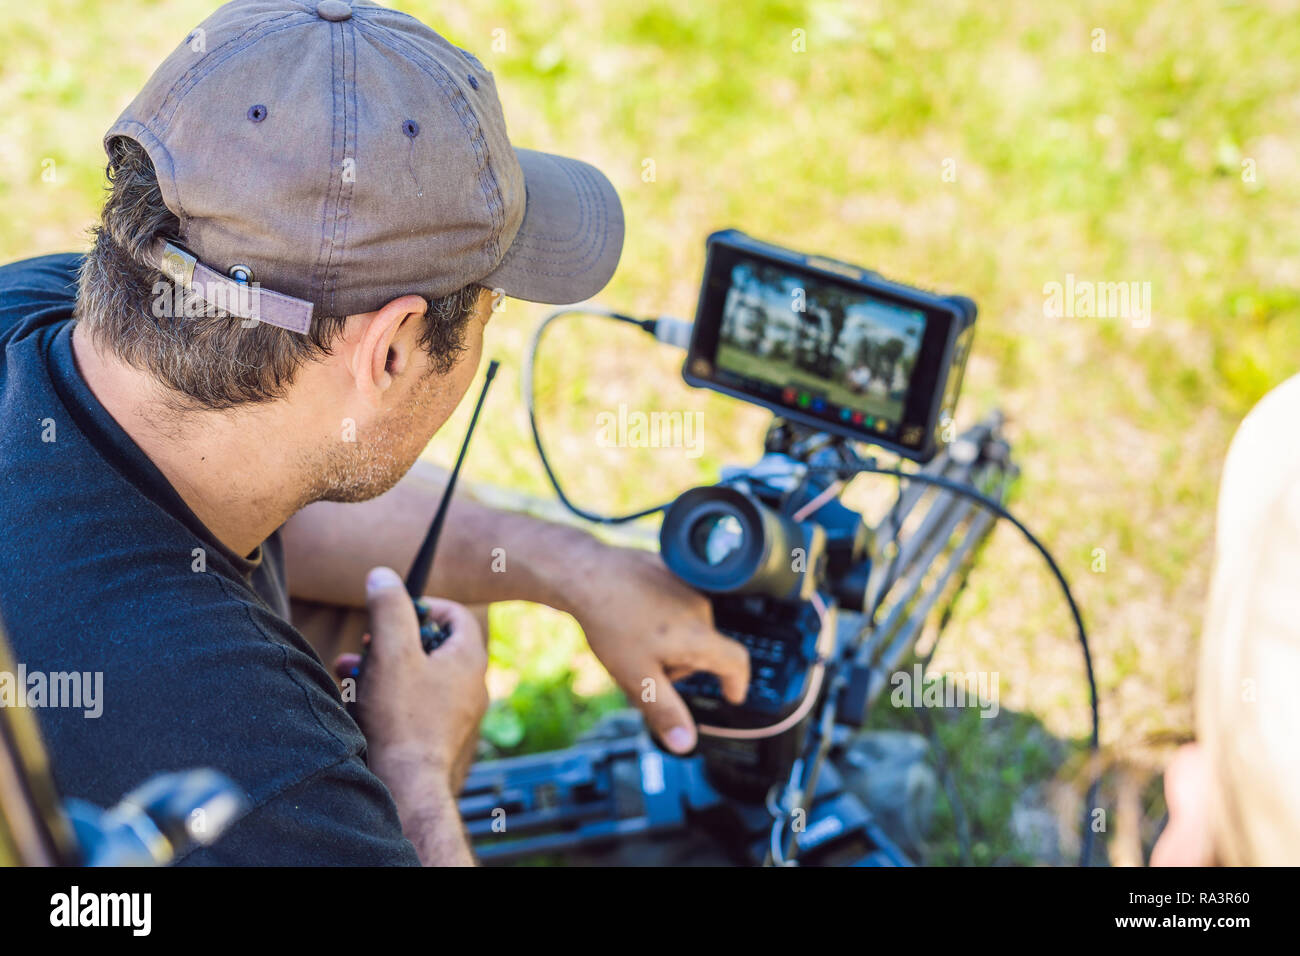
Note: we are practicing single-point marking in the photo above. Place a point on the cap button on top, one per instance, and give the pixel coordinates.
(333, 10)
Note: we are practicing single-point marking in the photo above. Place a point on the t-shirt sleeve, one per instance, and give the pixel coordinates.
(280, 731)
(340, 816)
(38, 291)
(201, 679)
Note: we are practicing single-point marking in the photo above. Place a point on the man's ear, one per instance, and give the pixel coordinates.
(383, 345)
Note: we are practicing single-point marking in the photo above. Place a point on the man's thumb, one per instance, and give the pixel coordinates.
(669, 718)
(392, 615)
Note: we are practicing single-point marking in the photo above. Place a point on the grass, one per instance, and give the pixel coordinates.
(979, 149)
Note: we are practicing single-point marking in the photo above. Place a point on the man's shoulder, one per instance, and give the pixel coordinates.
(40, 271)
(35, 292)
(182, 670)
(163, 666)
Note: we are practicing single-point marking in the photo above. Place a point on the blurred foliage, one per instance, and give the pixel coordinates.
(543, 715)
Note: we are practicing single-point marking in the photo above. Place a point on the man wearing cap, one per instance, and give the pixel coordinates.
(217, 410)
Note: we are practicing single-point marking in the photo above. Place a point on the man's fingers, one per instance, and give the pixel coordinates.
(726, 659)
(461, 624)
(392, 615)
(666, 713)
(449, 613)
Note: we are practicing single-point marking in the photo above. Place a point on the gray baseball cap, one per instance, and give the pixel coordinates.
(337, 155)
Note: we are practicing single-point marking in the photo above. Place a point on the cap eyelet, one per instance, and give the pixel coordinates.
(473, 81)
(241, 274)
(257, 113)
(411, 128)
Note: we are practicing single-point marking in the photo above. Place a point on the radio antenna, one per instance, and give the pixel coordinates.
(415, 581)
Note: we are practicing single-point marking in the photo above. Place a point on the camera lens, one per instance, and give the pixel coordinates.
(723, 541)
(717, 537)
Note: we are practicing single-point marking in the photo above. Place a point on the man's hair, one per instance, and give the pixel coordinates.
(207, 357)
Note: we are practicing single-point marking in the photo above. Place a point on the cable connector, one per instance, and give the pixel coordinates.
(672, 331)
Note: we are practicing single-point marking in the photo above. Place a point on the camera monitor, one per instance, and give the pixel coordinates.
(829, 345)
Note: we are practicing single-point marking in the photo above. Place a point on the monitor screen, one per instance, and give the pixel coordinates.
(833, 352)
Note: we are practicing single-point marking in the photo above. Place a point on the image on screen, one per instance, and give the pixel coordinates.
(834, 352)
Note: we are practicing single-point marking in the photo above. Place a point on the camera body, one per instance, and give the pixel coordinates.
(775, 573)
(829, 345)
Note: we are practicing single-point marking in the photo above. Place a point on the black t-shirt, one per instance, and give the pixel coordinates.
(104, 570)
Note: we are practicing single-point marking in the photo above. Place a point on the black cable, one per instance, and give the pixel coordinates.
(530, 359)
(996, 507)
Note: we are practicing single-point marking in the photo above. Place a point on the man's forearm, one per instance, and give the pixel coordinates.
(484, 555)
(437, 833)
(430, 817)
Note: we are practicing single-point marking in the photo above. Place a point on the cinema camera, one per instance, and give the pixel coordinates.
(828, 606)
(839, 354)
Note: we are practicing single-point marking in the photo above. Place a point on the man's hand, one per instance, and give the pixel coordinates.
(649, 629)
(421, 712)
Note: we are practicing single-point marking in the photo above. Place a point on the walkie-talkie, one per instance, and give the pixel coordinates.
(432, 633)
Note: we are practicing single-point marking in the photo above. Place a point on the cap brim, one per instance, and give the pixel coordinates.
(571, 235)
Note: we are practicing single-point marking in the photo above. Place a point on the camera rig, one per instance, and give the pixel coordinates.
(828, 607)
